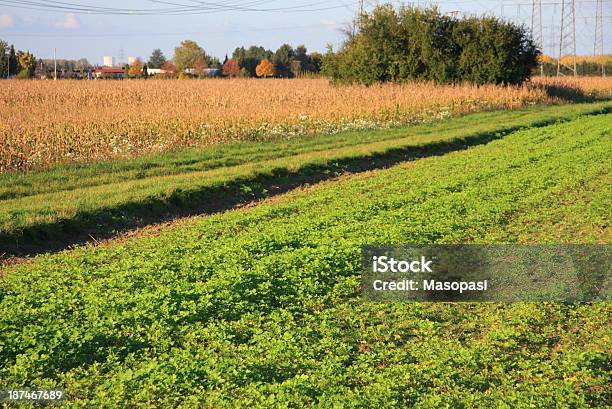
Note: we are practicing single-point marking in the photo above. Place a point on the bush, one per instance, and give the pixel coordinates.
(422, 44)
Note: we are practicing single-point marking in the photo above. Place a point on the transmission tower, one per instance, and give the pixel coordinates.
(598, 47)
(536, 28)
(567, 41)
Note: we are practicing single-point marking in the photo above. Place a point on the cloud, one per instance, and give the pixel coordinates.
(70, 22)
(6, 21)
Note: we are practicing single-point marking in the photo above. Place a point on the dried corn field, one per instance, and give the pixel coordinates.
(43, 123)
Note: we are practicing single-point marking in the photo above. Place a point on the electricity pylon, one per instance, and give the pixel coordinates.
(598, 47)
(536, 28)
(567, 41)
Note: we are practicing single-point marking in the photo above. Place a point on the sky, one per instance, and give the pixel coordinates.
(315, 23)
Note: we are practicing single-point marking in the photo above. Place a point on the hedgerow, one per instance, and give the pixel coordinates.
(422, 44)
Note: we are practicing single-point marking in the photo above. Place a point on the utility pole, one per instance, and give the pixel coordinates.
(536, 28)
(357, 18)
(567, 40)
(55, 64)
(598, 46)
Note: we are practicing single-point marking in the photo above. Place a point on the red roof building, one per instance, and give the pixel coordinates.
(109, 72)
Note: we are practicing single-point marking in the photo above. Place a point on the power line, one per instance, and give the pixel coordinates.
(197, 7)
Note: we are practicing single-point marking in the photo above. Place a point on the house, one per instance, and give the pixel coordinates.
(109, 72)
(207, 72)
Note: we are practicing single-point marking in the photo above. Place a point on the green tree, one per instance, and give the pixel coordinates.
(316, 60)
(187, 54)
(13, 63)
(3, 58)
(157, 59)
(282, 60)
(422, 44)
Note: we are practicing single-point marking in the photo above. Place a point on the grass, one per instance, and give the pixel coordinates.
(259, 307)
(51, 209)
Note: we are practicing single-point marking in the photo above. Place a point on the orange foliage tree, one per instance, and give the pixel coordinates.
(135, 69)
(199, 66)
(265, 69)
(231, 68)
(169, 70)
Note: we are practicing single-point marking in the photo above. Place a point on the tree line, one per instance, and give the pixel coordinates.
(21, 64)
(191, 60)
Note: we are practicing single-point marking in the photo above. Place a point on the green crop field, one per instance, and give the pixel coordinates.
(260, 306)
(50, 209)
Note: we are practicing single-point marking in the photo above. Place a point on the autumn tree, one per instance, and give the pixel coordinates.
(169, 69)
(199, 66)
(265, 69)
(135, 69)
(27, 64)
(231, 68)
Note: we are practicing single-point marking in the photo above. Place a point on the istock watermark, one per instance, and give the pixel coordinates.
(487, 273)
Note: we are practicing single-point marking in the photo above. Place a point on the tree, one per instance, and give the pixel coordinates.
(135, 70)
(169, 69)
(82, 64)
(231, 68)
(199, 66)
(316, 59)
(13, 64)
(157, 59)
(250, 59)
(297, 68)
(265, 69)
(282, 59)
(3, 58)
(187, 54)
(27, 64)
(239, 55)
(416, 44)
(145, 70)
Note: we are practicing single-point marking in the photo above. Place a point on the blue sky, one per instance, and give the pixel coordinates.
(78, 35)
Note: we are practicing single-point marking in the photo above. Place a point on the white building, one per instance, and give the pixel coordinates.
(155, 71)
(109, 61)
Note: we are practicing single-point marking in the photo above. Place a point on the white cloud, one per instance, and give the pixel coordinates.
(6, 21)
(70, 22)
